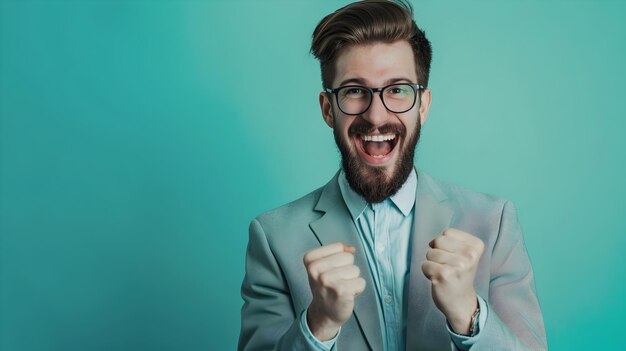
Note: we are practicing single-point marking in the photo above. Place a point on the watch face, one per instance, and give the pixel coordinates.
(474, 326)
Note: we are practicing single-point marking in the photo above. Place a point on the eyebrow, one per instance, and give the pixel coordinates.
(362, 81)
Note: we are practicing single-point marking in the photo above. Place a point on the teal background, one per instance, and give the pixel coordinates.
(139, 138)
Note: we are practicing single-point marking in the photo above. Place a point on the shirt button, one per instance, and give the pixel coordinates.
(388, 299)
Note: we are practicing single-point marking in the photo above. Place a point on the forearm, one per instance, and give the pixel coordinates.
(515, 319)
(496, 335)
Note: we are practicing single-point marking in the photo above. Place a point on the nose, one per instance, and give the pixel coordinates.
(377, 114)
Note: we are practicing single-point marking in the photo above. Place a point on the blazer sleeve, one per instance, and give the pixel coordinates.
(514, 320)
(268, 319)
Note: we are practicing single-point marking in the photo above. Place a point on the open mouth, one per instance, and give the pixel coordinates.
(376, 148)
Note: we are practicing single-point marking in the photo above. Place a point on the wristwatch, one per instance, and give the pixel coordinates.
(474, 322)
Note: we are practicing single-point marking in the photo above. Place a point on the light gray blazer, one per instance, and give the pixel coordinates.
(276, 289)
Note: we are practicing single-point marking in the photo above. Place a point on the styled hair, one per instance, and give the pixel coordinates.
(367, 22)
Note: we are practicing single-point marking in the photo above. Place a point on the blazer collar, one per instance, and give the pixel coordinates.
(336, 225)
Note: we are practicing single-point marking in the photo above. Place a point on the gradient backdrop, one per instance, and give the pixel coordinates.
(139, 138)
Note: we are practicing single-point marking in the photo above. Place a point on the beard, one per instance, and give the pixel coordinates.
(373, 183)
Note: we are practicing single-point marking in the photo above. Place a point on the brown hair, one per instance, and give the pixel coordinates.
(367, 22)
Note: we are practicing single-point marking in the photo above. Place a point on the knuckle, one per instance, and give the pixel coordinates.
(444, 274)
(306, 258)
(309, 256)
(313, 269)
(339, 290)
(325, 280)
(429, 254)
(360, 285)
(473, 255)
(352, 272)
(439, 241)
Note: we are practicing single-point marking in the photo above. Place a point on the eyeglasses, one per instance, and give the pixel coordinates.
(356, 99)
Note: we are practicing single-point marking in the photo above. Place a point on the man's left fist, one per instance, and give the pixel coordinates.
(451, 265)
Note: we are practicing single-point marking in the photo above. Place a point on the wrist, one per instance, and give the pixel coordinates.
(462, 322)
(322, 328)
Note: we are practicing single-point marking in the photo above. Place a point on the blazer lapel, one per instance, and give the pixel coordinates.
(432, 216)
(336, 225)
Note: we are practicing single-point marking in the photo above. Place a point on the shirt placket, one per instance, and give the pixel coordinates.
(386, 274)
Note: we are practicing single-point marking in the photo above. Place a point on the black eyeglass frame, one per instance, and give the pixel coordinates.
(417, 88)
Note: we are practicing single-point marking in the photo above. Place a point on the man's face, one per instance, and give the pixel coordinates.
(376, 169)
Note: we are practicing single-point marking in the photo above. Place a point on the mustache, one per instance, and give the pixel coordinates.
(361, 126)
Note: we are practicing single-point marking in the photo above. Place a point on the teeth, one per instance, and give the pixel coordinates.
(378, 137)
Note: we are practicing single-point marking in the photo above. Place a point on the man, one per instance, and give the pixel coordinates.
(384, 257)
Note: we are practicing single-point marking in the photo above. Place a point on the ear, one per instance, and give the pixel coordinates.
(425, 100)
(327, 109)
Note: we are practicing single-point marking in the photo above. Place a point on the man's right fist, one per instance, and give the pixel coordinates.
(335, 281)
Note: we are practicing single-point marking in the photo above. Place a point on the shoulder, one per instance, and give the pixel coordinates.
(466, 200)
(488, 217)
(285, 230)
(297, 214)
(293, 210)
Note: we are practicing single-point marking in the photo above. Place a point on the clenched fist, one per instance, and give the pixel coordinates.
(450, 265)
(335, 282)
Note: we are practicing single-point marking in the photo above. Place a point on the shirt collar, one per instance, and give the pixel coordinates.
(403, 199)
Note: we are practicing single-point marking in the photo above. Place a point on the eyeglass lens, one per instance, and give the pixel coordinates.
(355, 100)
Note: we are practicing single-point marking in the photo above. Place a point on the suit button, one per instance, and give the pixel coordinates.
(388, 299)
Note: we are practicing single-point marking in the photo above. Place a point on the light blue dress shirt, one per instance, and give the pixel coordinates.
(385, 230)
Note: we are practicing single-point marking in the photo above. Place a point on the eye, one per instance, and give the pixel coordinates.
(398, 90)
(354, 92)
